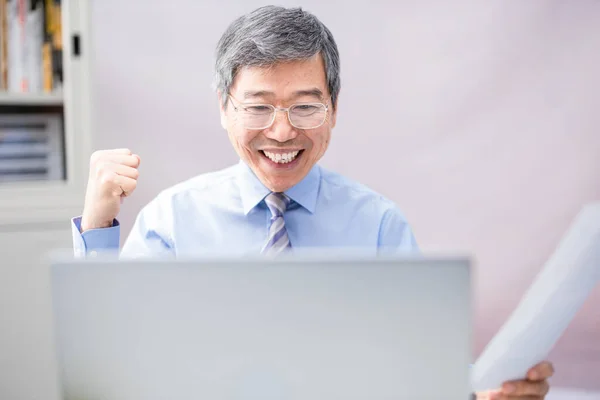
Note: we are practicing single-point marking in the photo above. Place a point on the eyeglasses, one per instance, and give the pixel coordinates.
(262, 116)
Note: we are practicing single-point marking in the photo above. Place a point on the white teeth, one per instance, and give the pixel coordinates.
(282, 158)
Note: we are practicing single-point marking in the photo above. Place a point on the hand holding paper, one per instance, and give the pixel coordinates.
(547, 308)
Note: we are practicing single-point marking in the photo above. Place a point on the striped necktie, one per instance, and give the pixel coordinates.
(277, 239)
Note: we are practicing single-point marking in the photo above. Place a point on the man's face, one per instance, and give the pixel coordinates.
(280, 155)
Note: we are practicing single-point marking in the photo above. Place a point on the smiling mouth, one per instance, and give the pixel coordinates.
(282, 158)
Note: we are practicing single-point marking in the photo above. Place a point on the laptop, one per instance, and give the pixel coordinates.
(291, 328)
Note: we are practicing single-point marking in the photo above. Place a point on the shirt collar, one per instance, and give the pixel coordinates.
(252, 190)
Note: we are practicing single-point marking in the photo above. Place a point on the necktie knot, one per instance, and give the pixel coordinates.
(277, 203)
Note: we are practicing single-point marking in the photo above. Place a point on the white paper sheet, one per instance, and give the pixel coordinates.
(547, 308)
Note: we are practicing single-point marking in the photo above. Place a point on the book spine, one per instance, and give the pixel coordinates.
(52, 48)
(23, 10)
(35, 38)
(3, 45)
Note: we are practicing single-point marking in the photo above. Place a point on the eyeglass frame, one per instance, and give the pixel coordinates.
(276, 109)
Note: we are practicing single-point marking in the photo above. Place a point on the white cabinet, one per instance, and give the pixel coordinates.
(38, 200)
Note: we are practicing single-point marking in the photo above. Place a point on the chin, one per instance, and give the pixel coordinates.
(281, 186)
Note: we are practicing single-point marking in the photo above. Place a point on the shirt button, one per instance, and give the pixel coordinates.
(93, 253)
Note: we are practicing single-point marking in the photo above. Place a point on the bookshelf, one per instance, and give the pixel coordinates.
(45, 128)
(31, 99)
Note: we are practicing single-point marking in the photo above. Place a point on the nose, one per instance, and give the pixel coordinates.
(281, 129)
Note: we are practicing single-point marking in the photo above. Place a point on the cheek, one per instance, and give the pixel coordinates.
(321, 141)
(241, 137)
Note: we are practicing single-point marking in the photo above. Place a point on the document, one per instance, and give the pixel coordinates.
(558, 292)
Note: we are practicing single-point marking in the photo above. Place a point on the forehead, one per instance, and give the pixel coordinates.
(282, 80)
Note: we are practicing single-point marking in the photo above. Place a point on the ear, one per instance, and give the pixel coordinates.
(334, 110)
(333, 118)
(222, 110)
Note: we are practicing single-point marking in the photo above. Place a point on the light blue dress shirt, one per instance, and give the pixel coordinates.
(224, 212)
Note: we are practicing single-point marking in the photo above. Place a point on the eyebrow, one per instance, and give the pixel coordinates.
(257, 93)
(313, 92)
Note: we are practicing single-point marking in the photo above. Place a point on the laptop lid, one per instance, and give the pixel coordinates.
(256, 329)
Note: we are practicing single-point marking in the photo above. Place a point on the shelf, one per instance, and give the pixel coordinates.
(31, 99)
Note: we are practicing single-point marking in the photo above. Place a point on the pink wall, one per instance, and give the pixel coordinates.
(481, 119)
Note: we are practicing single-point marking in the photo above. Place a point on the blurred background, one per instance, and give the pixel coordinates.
(479, 119)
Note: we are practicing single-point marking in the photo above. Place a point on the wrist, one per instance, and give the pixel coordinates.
(89, 224)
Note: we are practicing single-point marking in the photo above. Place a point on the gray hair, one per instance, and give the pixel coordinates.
(269, 35)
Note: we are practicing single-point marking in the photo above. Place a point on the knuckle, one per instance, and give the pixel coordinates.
(107, 178)
(95, 157)
(101, 168)
(522, 387)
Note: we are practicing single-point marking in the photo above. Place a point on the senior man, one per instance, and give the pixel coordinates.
(278, 83)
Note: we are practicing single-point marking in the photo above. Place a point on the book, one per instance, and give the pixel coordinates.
(30, 46)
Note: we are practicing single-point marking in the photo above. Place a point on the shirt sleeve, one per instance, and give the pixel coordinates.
(94, 241)
(149, 237)
(395, 234)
